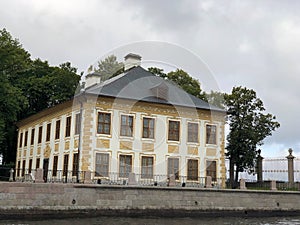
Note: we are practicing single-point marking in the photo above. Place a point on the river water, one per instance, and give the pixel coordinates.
(158, 221)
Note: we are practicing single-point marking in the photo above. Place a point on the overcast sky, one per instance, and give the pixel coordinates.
(255, 44)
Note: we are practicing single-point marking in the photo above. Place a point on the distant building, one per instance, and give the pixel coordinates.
(134, 122)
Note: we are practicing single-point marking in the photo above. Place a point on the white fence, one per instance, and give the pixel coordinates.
(273, 169)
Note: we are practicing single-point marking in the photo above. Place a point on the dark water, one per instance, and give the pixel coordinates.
(158, 221)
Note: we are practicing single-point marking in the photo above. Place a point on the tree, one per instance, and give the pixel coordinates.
(182, 79)
(249, 126)
(109, 67)
(216, 98)
(26, 87)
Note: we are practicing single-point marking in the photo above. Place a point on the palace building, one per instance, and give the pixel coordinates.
(135, 122)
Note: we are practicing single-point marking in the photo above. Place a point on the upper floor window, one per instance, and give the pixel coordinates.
(148, 127)
(127, 125)
(77, 123)
(40, 134)
(174, 130)
(193, 132)
(68, 126)
(211, 134)
(21, 140)
(57, 129)
(104, 123)
(32, 136)
(48, 132)
(26, 138)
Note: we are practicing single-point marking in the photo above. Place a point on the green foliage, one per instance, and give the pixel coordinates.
(216, 98)
(109, 67)
(249, 126)
(26, 87)
(182, 79)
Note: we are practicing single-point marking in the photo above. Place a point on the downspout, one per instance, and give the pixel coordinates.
(80, 136)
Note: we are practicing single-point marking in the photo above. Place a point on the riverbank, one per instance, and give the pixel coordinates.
(38, 200)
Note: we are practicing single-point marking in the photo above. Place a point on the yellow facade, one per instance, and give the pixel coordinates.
(89, 144)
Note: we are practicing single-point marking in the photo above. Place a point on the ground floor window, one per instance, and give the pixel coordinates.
(30, 166)
(147, 167)
(211, 169)
(75, 164)
(173, 167)
(125, 165)
(54, 169)
(102, 164)
(37, 163)
(66, 164)
(23, 168)
(18, 168)
(192, 166)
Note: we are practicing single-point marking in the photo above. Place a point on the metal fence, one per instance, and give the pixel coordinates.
(60, 176)
(273, 169)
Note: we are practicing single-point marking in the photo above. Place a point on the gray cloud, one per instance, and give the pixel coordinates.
(250, 43)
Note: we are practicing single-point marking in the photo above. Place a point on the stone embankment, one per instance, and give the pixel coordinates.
(60, 200)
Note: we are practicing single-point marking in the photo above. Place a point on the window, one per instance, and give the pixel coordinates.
(211, 132)
(147, 167)
(148, 128)
(102, 164)
(40, 134)
(192, 169)
(18, 169)
(125, 165)
(68, 126)
(75, 164)
(173, 167)
(66, 164)
(211, 170)
(32, 136)
(30, 166)
(77, 123)
(126, 126)
(23, 168)
(26, 137)
(48, 132)
(193, 132)
(37, 164)
(174, 128)
(57, 129)
(54, 170)
(21, 140)
(104, 121)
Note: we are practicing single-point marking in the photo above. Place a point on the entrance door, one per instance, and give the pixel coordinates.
(45, 169)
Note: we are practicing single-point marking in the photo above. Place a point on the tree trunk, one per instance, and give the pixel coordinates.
(237, 174)
(231, 173)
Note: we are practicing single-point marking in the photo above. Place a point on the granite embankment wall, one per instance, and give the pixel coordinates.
(37, 199)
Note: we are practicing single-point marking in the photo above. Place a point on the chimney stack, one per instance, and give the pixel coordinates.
(132, 60)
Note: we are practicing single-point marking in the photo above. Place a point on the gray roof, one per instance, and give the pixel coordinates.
(141, 85)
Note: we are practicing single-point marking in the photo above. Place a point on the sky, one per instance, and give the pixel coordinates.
(255, 44)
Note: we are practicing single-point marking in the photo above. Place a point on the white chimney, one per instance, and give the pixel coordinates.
(92, 79)
(132, 60)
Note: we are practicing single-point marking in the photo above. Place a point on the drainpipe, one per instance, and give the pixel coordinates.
(80, 135)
